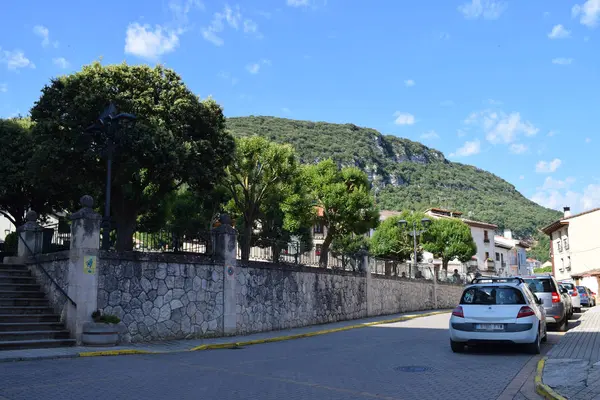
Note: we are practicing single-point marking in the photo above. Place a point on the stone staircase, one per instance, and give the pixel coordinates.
(26, 319)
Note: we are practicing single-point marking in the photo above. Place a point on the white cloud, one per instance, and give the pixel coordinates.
(15, 59)
(546, 167)
(461, 133)
(229, 17)
(486, 9)
(409, 83)
(588, 140)
(61, 62)
(559, 32)
(253, 68)
(522, 177)
(298, 3)
(286, 110)
(3, 88)
(552, 133)
(44, 33)
(468, 149)
(404, 118)
(227, 76)
(561, 196)
(518, 148)
(556, 184)
(588, 12)
(148, 43)
(500, 127)
(494, 102)
(180, 10)
(562, 61)
(444, 36)
(430, 135)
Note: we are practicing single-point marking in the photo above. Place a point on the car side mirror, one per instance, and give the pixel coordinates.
(564, 291)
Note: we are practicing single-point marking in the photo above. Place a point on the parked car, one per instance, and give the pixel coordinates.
(574, 295)
(498, 310)
(546, 288)
(564, 292)
(586, 296)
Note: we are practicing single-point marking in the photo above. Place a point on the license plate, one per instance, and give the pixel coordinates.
(490, 327)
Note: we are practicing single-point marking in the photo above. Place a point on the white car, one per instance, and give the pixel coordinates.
(498, 310)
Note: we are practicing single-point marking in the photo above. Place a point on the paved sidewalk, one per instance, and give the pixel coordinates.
(204, 344)
(573, 365)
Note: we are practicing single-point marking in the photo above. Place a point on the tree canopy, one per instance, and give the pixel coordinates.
(176, 139)
(392, 240)
(345, 202)
(449, 238)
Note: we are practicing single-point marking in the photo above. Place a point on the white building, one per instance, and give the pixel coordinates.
(575, 247)
(5, 227)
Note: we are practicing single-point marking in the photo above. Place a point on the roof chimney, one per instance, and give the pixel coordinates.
(567, 211)
(508, 234)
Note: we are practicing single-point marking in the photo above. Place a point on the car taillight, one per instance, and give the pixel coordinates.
(458, 312)
(555, 297)
(525, 311)
(575, 293)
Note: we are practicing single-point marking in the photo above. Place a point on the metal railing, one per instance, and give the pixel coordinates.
(173, 242)
(53, 240)
(39, 265)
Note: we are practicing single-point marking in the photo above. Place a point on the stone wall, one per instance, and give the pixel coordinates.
(448, 295)
(270, 297)
(161, 296)
(57, 267)
(390, 295)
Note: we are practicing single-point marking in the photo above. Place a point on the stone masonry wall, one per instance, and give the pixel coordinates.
(269, 297)
(161, 296)
(57, 266)
(390, 295)
(448, 295)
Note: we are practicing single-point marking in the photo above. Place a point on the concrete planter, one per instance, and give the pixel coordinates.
(100, 334)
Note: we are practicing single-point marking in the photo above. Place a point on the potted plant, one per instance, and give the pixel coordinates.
(102, 331)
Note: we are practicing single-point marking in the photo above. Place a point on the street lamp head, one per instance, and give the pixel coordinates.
(402, 222)
(425, 222)
(124, 116)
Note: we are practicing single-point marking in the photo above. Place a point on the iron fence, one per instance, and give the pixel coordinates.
(55, 239)
(174, 242)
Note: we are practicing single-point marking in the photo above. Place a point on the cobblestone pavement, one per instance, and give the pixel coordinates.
(358, 364)
(573, 366)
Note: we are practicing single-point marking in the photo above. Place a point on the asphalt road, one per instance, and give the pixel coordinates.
(366, 363)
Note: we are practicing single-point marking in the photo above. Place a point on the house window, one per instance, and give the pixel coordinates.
(318, 249)
(566, 241)
(485, 237)
(497, 256)
(318, 228)
(559, 243)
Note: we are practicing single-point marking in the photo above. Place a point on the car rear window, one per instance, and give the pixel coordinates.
(541, 285)
(492, 295)
(581, 289)
(568, 286)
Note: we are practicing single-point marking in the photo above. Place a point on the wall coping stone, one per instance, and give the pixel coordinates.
(399, 278)
(177, 258)
(298, 268)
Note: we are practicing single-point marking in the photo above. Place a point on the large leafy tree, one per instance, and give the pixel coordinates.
(176, 139)
(449, 238)
(348, 248)
(345, 202)
(20, 188)
(260, 180)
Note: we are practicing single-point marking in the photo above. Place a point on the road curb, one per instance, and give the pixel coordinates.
(542, 389)
(227, 345)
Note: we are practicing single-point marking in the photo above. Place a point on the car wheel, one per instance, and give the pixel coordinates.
(457, 347)
(562, 325)
(545, 337)
(535, 347)
(578, 310)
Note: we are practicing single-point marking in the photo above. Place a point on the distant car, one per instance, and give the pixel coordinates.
(546, 288)
(574, 295)
(586, 296)
(498, 310)
(564, 292)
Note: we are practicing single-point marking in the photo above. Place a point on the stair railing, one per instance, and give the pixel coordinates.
(39, 265)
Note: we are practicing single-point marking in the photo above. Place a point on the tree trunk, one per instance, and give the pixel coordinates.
(276, 252)
(125, 230)
(245, 242)
(323, 258)
(388, 267)
(445, 263)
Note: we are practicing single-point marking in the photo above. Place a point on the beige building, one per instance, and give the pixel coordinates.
(575, 247)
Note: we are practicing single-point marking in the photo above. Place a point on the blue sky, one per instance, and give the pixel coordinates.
(508, 86)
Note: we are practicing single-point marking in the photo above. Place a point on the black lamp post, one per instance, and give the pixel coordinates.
(414, 233)
(108, 123)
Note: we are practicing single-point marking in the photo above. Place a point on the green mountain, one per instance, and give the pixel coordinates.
(405, 174)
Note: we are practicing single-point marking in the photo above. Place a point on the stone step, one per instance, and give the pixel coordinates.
(24, 302)
(20, 267)
(25, 310)
(16, 280)
(35, 344)
(19, 286)
(33, 335)
(31, 326)
(14, 272)
(21, 318)
(20, 294)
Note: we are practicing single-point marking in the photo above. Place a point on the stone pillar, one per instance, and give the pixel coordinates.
(224, 246)
(368, 284)
(83, 276)
(435, 283)
(32, 234)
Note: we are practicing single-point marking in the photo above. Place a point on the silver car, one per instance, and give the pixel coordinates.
(546, 289)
